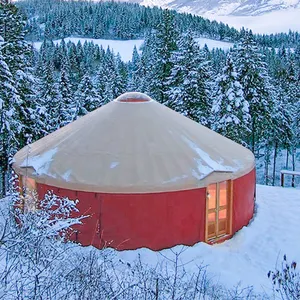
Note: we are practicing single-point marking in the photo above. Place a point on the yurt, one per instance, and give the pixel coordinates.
(144, 175)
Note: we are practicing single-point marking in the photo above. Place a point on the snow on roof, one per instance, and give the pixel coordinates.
(40, 163)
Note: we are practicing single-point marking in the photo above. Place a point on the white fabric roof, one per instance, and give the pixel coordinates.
(133, 147)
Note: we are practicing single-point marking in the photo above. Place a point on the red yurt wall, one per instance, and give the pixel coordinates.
(130, 221)
(155, 220)
(243, 200)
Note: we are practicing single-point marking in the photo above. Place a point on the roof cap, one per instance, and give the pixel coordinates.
(133, 97)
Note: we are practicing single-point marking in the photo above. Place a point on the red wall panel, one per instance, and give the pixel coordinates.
(156, 220)
(243, 200)
(130, 221)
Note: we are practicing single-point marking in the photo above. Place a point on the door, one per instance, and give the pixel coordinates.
(218, 210)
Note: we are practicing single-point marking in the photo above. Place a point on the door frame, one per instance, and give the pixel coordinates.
(229, 211)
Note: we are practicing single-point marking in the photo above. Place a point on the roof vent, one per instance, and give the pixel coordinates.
(133, 97)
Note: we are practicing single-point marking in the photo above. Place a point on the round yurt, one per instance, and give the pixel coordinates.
(144, 175)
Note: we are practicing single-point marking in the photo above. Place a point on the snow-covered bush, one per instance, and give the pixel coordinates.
(286, 280)
(33, 246)
(37, 262)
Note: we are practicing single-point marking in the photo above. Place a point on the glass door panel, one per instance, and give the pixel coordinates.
(217, 210)
(223, 193)
(212, 196)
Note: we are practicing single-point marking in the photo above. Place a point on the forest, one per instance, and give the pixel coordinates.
(250, 94)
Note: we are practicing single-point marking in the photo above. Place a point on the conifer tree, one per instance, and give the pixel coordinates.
(189, 82)
(9, 125)
(86, 97)
(134, 76)
(257, 88)
(68, 111)
(230, 108)
(50, 97)
(18, 56)
(165, 43)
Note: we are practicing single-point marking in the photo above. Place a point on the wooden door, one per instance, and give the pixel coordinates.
(218, 210)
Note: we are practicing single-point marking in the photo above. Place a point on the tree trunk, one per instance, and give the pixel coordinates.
(287, 159)
(274, 162)
(267, 161)
(253, 136)
(293, 165)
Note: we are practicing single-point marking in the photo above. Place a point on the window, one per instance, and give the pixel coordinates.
(28, 193)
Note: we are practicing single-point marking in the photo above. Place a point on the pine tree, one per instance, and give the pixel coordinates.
(134, 76)
(257, 88)
(160, 66)
(68, 112)
(50, 97)
(18, 55)
(189, 82)
(230, 108)
(9, 125)
(86, 97)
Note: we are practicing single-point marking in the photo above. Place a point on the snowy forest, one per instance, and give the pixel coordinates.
(250, 94)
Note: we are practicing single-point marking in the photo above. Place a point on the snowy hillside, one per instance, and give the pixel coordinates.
(253, 251)
(225, 7)
(259, 15)
(125, 48)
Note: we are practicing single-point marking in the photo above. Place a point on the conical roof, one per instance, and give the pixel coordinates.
(133, 145)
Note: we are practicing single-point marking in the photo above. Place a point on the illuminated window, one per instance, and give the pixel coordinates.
(28, 193)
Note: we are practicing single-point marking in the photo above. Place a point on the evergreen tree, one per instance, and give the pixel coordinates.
(51, 100)
(9, 125)
(230, 108)
(160, 66)
(257, 88)
(68, 112)
(18, 55)
(134, 76)
(86, 97)
(189, 82)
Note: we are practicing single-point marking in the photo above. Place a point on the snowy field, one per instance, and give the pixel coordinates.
(253, 251)
(125, 48)
(245, 259)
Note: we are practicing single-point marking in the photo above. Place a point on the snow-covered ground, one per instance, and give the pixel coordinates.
(244, 259)
(125, 48)
(253, 251)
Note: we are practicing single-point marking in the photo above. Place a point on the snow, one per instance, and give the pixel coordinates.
(125, 48)
(264, 24)
(245, 259)
(175, 179)
(114, 164)
(252, 252)
(66, 175)
(290, 172)
(264, 18)
(40, 163)
(214, 43)
(210, 165)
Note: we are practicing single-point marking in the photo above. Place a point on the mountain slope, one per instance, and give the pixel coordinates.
(224, 7)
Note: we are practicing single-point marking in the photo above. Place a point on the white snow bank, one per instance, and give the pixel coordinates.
(125, 48)
(253, 251)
